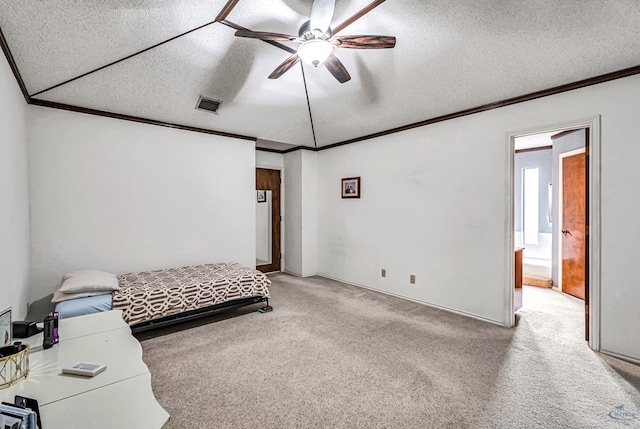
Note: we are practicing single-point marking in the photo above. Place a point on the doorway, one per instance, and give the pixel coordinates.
(587, 252)
(268, 255)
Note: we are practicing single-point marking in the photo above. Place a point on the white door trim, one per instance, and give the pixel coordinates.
(561, 157)
(593, 126)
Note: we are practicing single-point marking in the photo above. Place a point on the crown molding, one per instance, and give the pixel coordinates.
(71, 108)
(14, 68)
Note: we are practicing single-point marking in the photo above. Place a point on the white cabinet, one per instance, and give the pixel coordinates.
(119, 397)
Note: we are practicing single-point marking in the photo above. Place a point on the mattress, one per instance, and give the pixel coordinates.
(150, 295)
(82, 306)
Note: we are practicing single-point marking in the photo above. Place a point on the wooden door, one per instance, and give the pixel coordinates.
(573, 228)
(517, 293)
(269, 180)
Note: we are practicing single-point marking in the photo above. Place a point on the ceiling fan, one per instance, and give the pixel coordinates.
(317, 40)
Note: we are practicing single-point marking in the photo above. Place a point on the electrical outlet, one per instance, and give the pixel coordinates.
(412, 279)
(384, 273)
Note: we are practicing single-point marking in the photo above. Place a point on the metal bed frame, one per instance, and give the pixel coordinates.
(196, 314)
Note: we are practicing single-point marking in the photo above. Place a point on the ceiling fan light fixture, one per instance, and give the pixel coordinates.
(315, 51)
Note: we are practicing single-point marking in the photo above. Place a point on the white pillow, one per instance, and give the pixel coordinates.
(88, 281)
(60, 296)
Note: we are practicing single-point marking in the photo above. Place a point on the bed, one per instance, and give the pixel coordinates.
(151, 299)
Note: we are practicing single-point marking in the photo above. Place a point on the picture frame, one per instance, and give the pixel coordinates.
(351, 187)
(6, 332)
(262, 196)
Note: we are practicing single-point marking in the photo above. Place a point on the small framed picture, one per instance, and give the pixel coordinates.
(262, 196)
(5, 327)
(351, 187)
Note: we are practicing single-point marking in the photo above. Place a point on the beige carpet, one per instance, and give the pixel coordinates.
(337, 356)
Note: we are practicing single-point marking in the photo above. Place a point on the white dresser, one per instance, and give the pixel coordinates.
(119, 397)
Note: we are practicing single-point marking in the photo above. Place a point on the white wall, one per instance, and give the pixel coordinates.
(122, 196)
(434, 205)
(270, 160)
(309, 213)
(14, 196)
(293, 246)
(301, 214)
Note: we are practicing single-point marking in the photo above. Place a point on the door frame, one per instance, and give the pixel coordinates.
(594, 203)
(267, 166)
(560, 208)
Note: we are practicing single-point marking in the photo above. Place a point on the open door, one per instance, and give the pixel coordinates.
(268, 220)
(574, 225)
(573, 237)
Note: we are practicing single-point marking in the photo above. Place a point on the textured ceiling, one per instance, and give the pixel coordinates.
(450, 55)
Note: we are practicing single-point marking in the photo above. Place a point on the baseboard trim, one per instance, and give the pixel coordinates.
(621, 357)
(417, 301)
(300, 275)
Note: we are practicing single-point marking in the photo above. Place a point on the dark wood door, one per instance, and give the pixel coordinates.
(573, 226)
(269, 180)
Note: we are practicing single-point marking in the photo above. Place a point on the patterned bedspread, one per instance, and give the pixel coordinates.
(149, 295)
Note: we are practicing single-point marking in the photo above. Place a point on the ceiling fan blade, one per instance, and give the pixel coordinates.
(286, 65)
(271, 42)
(321, 14)
(265, 36)
(365, 42)
(358, 15)
(226, 10)
(337, 69)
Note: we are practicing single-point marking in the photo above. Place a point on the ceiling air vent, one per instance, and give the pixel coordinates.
(208, 104)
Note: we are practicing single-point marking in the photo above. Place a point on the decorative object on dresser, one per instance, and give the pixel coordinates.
(14, 364)
(84, 368)
(16, 417)
(48, 340)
